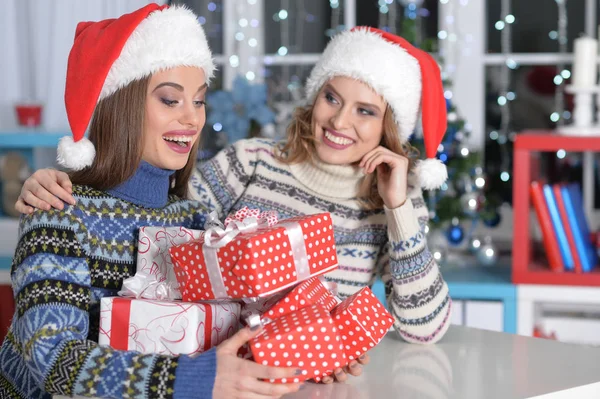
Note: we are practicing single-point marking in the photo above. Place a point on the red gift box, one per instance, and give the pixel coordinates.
(250, 261)
(306, 339)
(169, 328)
(307, 293)
(362, 322)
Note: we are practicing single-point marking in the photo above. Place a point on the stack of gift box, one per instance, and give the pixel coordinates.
(195, 289)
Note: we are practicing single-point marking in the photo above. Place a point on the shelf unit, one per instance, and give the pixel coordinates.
(474, 282)
(29, 139)
(526, 270)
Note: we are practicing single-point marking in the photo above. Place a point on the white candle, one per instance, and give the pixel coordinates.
(585, 67)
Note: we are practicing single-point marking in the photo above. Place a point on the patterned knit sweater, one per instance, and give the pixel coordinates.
(387, 242)
(64, 263)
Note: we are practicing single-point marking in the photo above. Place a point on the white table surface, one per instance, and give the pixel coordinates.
(471, 363)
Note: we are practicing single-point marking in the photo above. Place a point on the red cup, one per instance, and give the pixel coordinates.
(29, 115)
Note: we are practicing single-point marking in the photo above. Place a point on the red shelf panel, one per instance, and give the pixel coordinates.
(546, 140)
(525, 270)
(539, 273)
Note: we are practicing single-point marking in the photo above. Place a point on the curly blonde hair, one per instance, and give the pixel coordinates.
(300, 147)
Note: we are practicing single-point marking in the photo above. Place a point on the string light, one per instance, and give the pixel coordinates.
(559, 116)
(244, 57)
(506, 46)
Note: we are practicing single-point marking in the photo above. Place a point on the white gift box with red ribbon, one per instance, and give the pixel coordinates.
(169, 328)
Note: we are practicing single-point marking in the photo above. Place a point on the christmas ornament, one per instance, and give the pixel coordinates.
(491, 218)
(455, 233)
(234, 110)
(464, 184)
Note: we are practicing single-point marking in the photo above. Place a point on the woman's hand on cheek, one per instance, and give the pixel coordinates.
(392, 175)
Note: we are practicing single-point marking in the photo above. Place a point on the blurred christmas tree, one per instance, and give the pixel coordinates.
(457, 208)
(462, 202)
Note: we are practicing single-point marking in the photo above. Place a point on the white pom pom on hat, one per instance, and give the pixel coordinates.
(108, 55)
(407, 78)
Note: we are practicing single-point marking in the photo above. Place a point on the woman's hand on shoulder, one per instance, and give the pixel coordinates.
(45, 189)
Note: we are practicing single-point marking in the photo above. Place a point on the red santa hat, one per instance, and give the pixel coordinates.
(109, 54)
(407, 78)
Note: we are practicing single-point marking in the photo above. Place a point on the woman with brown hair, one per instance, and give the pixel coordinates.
(346, 153)
(144, 89)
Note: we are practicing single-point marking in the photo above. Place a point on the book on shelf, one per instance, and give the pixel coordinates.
(548, 236)
(579, 224)
(566, 222)
(565, 230)
(559, 229)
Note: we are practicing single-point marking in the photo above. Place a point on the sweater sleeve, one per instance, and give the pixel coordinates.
(220, 182)
(48, 335)
(417, 294)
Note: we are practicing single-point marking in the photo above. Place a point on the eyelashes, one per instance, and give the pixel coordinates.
(172, 103)
(332, 100)
(168, 102)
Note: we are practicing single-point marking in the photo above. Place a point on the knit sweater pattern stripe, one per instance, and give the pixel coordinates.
(65, 262)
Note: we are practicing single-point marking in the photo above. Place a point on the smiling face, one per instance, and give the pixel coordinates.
(174, 116)
(347, 121)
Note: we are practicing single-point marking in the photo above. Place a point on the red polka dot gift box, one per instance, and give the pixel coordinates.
(362, 322)
(306, 339)
(247, 260)
(309, 292)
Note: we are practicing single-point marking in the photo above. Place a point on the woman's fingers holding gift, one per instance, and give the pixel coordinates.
(270, 373)
(364, 359)
(233, 344)
(353, 368)
(239, 378)
(251, 387)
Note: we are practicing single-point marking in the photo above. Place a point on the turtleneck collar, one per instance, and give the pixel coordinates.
(336, 181)
(148, 187)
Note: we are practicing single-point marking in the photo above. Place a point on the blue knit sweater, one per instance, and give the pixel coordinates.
(64, 263)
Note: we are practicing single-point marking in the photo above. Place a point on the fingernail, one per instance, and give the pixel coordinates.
(298, 372)
(353, 365)
(254, 328)
(362, 357)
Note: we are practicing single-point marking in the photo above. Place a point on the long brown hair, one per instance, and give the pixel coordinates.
(300, 147)
(116, 131)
